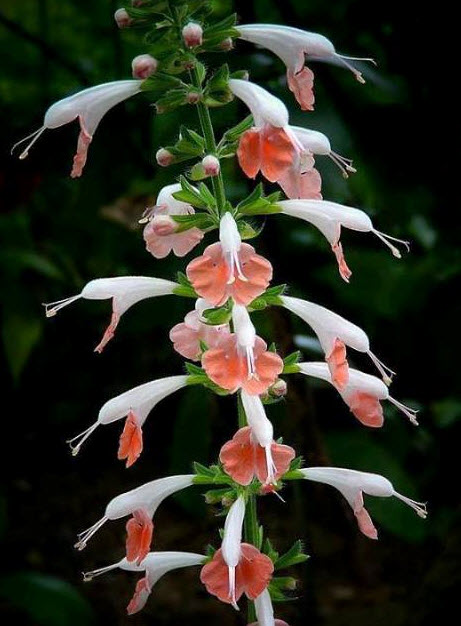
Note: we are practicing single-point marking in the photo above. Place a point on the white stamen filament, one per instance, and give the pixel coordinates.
(53, 307)
(408, 411)
(232, 588)
(382, 369)
(419, 507)
(271, 469)
(251, 363)
(36, 134)
(233, 263)
(86, 535)
(344, 164)
(82, 437)
(395, 251)
(87, 576)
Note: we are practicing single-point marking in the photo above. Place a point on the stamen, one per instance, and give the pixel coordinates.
(419, 507)
(239, 268)
(149, 213)
(87, 576)
(251, 366)
(369, 59)
(36, 134)
(344, 164)
(357, 74)
(232, 588)
(271, 469)
(53, 307)
(86, 535)
(382, 369)
(82, 437)
(395, 251)
(408, 411)
(230, 261)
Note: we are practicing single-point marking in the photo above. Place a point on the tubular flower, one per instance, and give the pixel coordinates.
(362, 394)
(142, 504)
(328, 217)
(124, 291)
(334, 334)
(270, 146)
(135, 405)
(353, 485)
(89, 106)
(244, 459)
(154, 566)
(265, 611)
(229, 268)
(188, 336)
(237, 567)
(294, 46)
(160, 233)
(241, 360)
(316, 143)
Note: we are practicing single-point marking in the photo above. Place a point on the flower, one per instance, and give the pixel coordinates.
(211, 165)
(160, 233)
(143, 66)
(135, 405)
(353, 484)
(292, 46)
(362, 394)
(154, 565)
(265, 611)
(89, 106)
(122, 19)
(328, 217)
(315, 142)
(237, 567)
(142, 504)
(229, 268)
(192, 34)
(334, 334)
(270, 146)
(164, 157)
(241, 360)
(188, 336)
(244, 459)
(125, 291)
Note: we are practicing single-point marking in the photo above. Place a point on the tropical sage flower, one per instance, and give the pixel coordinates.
(142, 504)
(89, 107)
(353, 484)
(124, 292)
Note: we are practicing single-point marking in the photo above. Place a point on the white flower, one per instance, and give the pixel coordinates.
(262, 429)
(146, 498)
(361, 393)
(125, 291)
(352, 484)
(89, 106)
(317, 143)
(155, 565)
(328, 217)
(135, 404)
(231, 543)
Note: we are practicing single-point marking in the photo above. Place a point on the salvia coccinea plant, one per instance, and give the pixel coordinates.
(227, 282)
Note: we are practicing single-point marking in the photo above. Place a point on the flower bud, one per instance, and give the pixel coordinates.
(163, 225)
(278, 389)
(122, 19)
(163, 157)
(137, 3)
(143, 66)
(192, 34)
(226, 45)
(211, 165)
(193, 97)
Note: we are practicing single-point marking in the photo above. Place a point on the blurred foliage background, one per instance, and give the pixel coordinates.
(58, 233)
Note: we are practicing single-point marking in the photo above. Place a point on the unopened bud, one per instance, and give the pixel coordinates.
(143, 66)
(226, 44)
(163, 157)
(227, 501)
(211, 165)
(122, 19)
(193, 97)
(192, 34)
(163, 225)
(278, 389)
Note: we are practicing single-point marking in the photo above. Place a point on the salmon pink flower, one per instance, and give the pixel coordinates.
(135, 405)
(154, 566)
(89, 107)
(229, 268)
(244, 459)
(353, 484)
(265, 611)
(237, 567)
(142, 504)
(294, 46)
(328, 217)
(334, 334)
(160, 233)
(125, 291)
(270, 146)
(188, 336)
(362, 394)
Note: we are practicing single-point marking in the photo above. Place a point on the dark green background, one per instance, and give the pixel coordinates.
(57, 234)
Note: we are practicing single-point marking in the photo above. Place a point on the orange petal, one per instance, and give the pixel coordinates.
(337, 364)
(186, 341)
(249, 152)
(363, 518)
(258, 272)
(302, 85)
(209, 275)
(109, 332)
(224, 365)
(268, 366)
(281, 455)
(139, 599)
(130, 446)
(366, 408)
(344, 271)
(278, 153)
(139, 536)
(215, 577)
(83, 144)
(238, 457)
(301, 185)
(254, 571)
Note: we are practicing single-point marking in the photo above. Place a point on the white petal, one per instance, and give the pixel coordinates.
(233, 529)
(175, 207)
(156, 564)
(229, 235)
(257, 419)
(312, 140)
(265, 108)
(358, 381)
(322, 213)
(243, 327)
(264, 609)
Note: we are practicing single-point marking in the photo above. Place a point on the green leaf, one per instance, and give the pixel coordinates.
(171, 100)
(234, 133)
(293, 556)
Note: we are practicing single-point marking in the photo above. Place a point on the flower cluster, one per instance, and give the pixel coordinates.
(227, 282)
